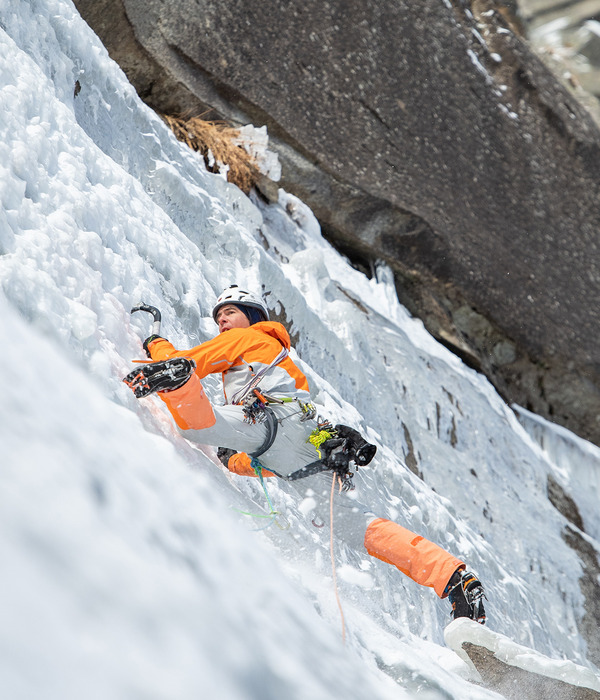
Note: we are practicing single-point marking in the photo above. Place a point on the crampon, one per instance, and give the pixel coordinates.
(166, 375)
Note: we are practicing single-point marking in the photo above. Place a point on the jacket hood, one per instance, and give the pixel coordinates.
(274, 329)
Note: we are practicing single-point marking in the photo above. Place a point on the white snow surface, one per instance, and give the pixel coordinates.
(127, 569)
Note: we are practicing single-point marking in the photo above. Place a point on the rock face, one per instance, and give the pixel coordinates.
(426, 135)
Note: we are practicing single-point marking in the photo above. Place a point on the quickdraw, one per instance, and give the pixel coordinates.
(254, 406)
(255, 403)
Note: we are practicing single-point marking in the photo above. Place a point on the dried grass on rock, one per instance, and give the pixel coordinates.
(220, 145)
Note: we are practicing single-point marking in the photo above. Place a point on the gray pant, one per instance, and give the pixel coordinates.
(290, 450)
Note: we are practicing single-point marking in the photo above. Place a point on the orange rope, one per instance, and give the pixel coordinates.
(335, 588)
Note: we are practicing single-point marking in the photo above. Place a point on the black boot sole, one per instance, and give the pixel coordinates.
(164, 376)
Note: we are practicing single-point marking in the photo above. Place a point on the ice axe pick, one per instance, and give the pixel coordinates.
(155, 315)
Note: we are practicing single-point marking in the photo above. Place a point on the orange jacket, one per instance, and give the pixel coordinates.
(239, 354)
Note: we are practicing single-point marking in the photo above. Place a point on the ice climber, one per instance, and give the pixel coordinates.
(268, 427)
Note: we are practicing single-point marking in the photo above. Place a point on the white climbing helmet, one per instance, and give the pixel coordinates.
(235, 295)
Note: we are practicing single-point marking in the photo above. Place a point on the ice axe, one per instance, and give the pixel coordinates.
(151, 310)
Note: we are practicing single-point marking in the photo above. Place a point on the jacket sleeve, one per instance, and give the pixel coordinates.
(160, 349)
(241, 464)
(213, 356)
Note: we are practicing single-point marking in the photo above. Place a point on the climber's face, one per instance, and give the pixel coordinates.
(230, 316)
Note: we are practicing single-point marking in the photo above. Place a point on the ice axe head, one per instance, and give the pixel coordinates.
(155, 315)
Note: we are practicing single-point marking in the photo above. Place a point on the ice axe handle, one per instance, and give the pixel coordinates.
(155, 315)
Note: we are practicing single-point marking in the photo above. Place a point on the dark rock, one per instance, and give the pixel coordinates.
(588, 583)
(564, 503)
(514, 683)
(424, 134)
(409, 454)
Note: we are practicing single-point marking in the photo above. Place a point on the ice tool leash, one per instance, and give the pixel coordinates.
(278, 518)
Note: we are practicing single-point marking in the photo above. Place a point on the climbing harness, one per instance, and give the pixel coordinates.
(256, 409)
(336, 447)
(261, 413)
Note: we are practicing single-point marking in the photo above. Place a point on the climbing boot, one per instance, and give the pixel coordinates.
(360, 451)
(466, 595)
(164, 376)
(346, 445)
